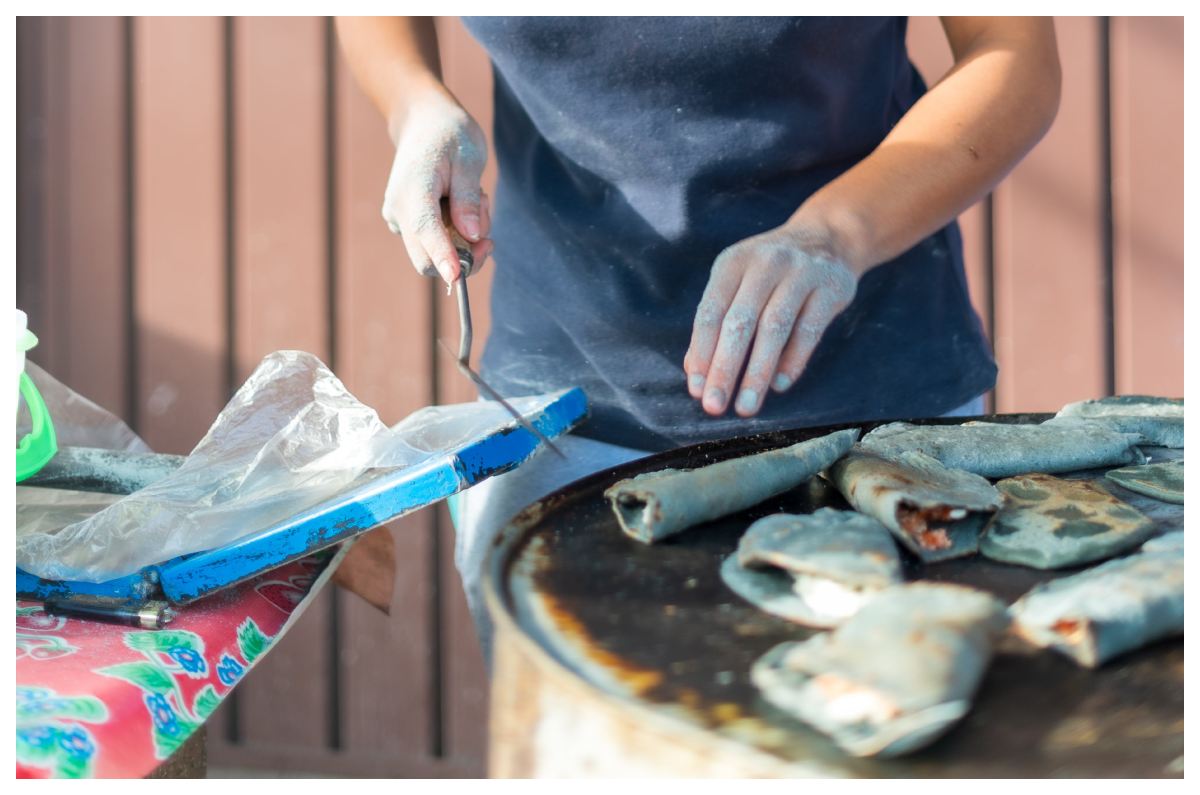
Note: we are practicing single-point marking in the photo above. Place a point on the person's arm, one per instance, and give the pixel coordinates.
(440, 150)
(783, 288)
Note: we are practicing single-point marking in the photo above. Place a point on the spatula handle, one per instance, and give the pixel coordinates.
(462, 246)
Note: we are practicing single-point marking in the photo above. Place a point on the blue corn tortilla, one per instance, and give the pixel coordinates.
(814, 569)
(1108, 610)
(1051, 523)
(1167, 542)
(1162, 481)
(998, 450)
(1158, 420)
(893, 678)
(936, 512)
(843, 545)
(655, 505)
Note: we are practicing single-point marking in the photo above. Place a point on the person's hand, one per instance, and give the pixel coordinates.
(779, 290)
(440, 151)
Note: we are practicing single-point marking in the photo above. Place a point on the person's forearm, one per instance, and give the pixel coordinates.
(949, 150)
(440, 150)
(394, 59)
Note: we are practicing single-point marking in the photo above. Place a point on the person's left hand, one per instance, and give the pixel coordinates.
(780, 290)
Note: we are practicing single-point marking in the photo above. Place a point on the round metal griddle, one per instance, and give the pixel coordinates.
(653, 630)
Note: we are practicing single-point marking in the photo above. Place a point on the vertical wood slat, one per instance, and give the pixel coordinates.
(1050, 268)
(72, 270)
(94, 256)
(179, 201)
(32, 124)
(1147, 157)
(466, 70)
(279, 192)
(279, 265)
(54, 324)
(383, 353)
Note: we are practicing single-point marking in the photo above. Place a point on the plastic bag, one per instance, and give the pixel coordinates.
(291, 437)
(49, 510)
(78, 422)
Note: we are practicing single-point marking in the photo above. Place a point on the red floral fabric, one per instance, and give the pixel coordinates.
(102, 700)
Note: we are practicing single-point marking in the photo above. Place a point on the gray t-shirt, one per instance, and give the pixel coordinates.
(632, 151)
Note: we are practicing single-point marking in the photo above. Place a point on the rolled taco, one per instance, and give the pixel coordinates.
(997, 450)
(655, 505)
(936, 512)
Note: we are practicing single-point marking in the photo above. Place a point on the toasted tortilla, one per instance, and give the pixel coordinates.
(1143, 405)
(1158, 420)
(1050, 523)
(893, 678)
(772, 591)
(1162, 481)
(815, 569)
(1168, 542)
(655, 505)
(842, 545)
(1108, 610)
(997, 450)
(936, 512)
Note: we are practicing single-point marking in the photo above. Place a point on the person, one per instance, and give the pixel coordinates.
(715, 226)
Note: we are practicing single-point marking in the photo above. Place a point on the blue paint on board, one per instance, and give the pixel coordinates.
(188, 579)
(135, 586)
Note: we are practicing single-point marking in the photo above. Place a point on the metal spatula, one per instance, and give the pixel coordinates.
(466, 261)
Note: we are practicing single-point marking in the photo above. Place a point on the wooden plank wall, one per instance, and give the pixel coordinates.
(195, 193)
(1076, 259)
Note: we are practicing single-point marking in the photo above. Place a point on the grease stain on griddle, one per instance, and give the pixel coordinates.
(638, 680)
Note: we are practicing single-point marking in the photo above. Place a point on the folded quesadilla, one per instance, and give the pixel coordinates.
(655, 505)
(895, 676)
(815, 569)
(1113, 608)
(1159, 421)
(1050, 523)
(936, 512)
(998, 450)
(1161, 481)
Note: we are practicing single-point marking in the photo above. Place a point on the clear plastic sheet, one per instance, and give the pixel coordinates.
(78, 422)
(291, 437)
(50, 510)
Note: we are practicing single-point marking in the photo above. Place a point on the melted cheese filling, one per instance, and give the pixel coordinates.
(829, 599)
(848, 702)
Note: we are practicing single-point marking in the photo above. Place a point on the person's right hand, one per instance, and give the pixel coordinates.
(440, 151)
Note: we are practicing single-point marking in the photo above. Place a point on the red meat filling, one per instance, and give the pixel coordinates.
(916, 523)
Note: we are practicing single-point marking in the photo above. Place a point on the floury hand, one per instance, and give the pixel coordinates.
(779, 290)
(440, 155)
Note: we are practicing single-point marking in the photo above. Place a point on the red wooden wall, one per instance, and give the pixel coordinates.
(195, 193)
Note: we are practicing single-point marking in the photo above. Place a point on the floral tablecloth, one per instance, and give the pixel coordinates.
(103, 700)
